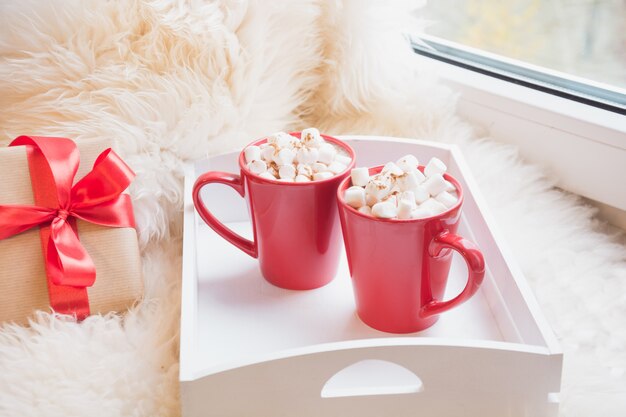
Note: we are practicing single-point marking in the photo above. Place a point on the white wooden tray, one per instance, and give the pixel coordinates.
(248, 348)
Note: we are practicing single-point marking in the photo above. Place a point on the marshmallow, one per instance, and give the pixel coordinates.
(285, 179)
(378, 187)
(408, 163)
(446, 199)
(294, 143)
(392, 169)
(343, 159)
(252, 153)
(360, 176)
(327, 153)
(391, 199)
(421, 213)
(405, 208)
(318, 176)
(287, 171)
(396, 185)
(303, 169)
(267, 176)
(435, 166)
(257, 167)
(410, 180)
(434, 206)
(280, 139)
(370, 200)
(421, 194)
(336, 167)
(400, 190)
(408, 196)
(419, 175)
(311, 137)
(435, 184)
(384, 210)
(267, 153)
(285, 156)
(273, 138)
(307, 155)
(355, 197)
(319, 167)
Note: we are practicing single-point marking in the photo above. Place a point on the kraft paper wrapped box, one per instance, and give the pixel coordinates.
(23, 278)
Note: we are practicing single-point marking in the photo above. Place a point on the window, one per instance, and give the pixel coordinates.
(575, 49)
(548, 76)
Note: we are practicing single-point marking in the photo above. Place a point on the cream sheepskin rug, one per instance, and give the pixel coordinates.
(178, 80)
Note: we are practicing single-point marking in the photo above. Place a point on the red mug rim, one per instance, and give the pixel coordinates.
(375, 170)
(340, 143)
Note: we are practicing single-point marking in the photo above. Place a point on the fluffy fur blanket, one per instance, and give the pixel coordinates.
(175, 80)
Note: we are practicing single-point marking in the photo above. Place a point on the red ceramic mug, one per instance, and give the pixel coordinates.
(399, 268)
(297, 237)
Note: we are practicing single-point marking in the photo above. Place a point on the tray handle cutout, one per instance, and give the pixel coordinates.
(372, 377)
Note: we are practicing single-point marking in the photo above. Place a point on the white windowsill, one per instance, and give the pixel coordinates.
(583, 146)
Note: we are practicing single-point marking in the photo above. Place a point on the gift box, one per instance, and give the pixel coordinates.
(79, 256)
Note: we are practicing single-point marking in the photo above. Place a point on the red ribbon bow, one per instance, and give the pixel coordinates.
(97, 198)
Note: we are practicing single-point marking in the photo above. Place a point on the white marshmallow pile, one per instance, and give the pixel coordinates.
(286, 158)
(401, 190)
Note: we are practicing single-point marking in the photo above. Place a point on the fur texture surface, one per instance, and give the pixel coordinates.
(176, 80)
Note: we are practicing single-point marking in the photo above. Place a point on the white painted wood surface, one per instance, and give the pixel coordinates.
(251, 349)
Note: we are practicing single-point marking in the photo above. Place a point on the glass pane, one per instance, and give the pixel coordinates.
(584, 38)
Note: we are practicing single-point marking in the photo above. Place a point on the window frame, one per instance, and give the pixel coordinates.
(557, 83)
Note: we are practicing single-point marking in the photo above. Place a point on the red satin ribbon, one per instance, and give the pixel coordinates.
(96, 198)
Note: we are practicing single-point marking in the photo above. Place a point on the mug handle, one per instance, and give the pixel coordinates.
(475, 266)
(233, 181)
